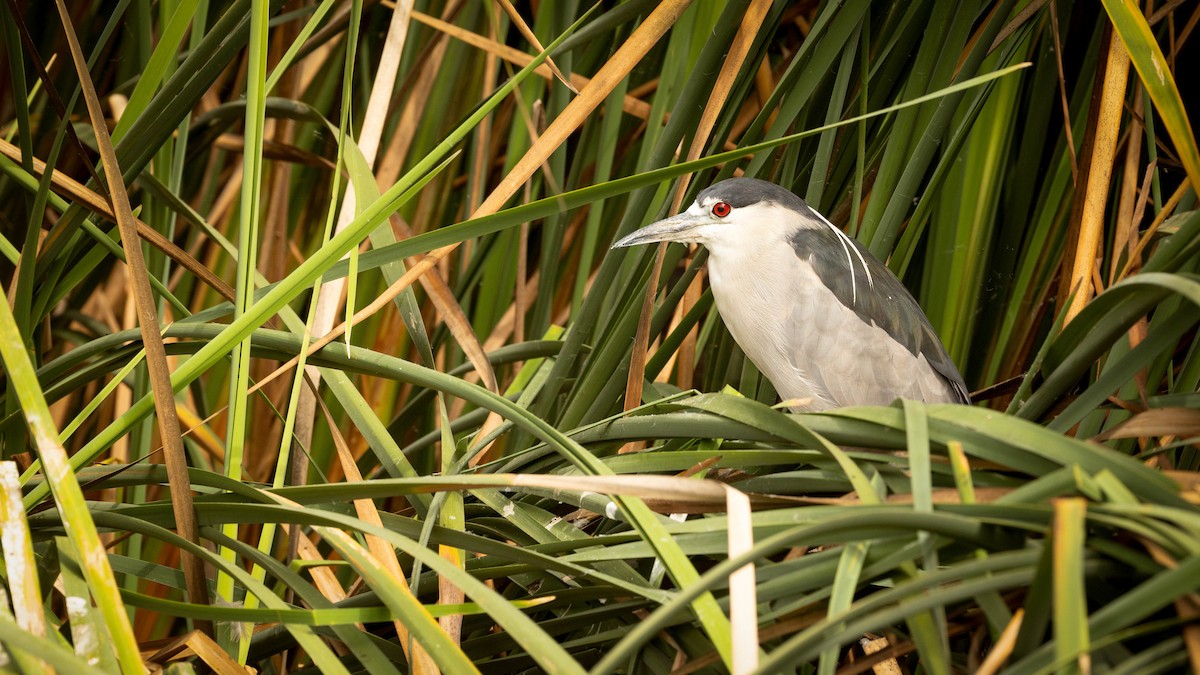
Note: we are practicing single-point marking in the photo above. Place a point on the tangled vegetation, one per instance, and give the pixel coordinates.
(316, 359)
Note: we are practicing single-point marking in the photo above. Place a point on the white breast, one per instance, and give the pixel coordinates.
(751, 279)
(801, 337)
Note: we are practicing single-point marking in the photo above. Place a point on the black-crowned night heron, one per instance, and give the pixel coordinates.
(824, 320)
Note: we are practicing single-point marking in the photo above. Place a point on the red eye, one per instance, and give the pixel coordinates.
(721, 209)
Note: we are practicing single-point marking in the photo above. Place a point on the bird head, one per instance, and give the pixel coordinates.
(725, 210)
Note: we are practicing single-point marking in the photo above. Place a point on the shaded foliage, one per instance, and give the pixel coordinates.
(484, 478)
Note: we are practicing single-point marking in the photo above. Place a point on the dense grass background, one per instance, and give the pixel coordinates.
(484, 477)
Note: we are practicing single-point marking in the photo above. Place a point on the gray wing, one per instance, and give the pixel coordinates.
(883, 302)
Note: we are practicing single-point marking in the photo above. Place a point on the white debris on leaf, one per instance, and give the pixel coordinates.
(84, 633)
(612, 511)
(14, 538)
